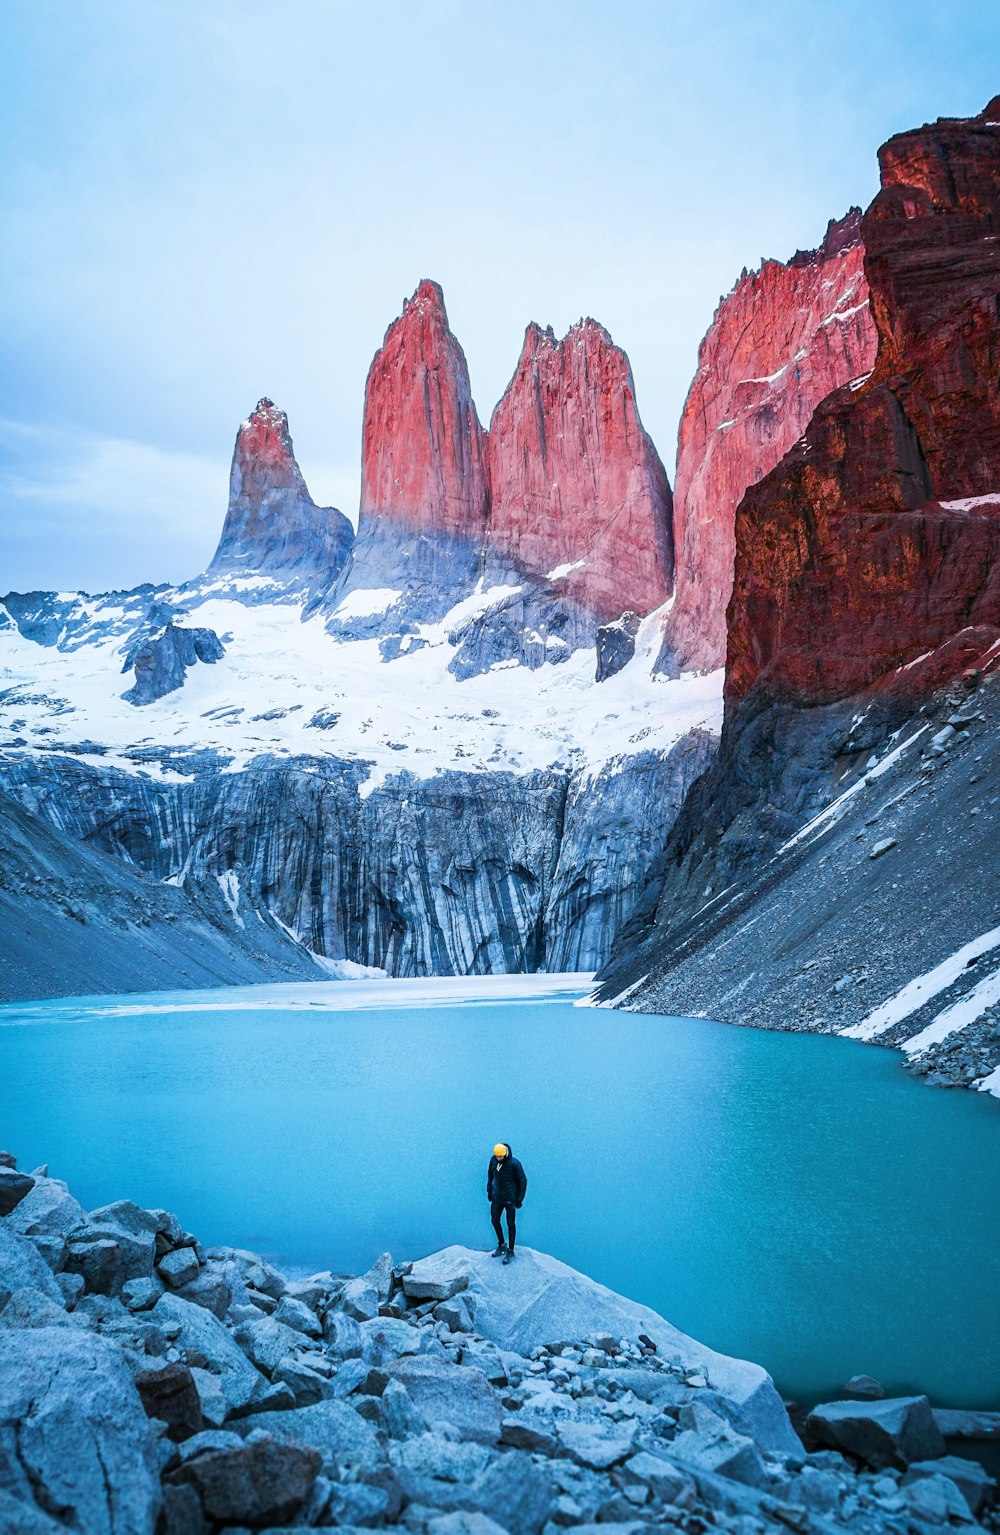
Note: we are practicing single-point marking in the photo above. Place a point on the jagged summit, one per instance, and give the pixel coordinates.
(273, 526)
(575, 479)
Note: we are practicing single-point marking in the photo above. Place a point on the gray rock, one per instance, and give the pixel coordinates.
(178, 1267)
(21, 1266)
(348, 1377)
(538, 1300)
(451, 1395)
(314, 1291)
(73, 1433)
(29, 1307)
(668, 1481)
(199, 1329)
(936, 1500)
(141, 1294)
(359, 1300)
(432, 1455)
(863, 1388)
(214, 1406)
(296, 1314)
(46, 1216)
(379, 1276)
(400, 1417)
(343, 1335)
(972, 1480)
(388, 1338)
(332, 1428)
(71, 1288)
(468, 1522)
(267, 1342)
(306, 1385)
(882, 847)
(211, 1289)
(721, 1453)
(208, 1439)
(438, 1277)
(597, 1446)
(456, 1314)
(17, 1518)
(528, 1433)
(516, 1493)
(264, 1483)
(894, 1432)
(355, 1503)
(13, 1188)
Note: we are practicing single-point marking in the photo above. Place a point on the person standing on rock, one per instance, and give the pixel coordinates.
(506, 1186)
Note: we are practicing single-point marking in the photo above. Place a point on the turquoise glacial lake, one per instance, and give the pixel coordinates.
(794, 1199)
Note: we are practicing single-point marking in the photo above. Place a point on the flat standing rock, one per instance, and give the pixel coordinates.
(894, 1432)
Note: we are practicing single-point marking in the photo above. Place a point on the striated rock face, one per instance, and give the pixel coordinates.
(272, 525)
(424, 485)
(877, 539)
(579, 497)
(461, 873)
(784, 338)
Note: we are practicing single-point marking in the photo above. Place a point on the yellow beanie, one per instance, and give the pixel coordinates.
(500, 1150)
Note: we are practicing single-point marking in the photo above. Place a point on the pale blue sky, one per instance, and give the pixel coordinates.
(204, 201)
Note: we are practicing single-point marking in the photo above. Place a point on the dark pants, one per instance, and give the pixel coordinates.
(497, 1208)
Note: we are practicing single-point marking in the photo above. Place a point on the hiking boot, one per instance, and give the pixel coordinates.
(508, 1256)
(498, 1252)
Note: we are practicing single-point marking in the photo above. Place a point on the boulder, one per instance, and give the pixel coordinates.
(359, 1300)
(170, 1394)
(972, 1480)
(539, 1300)
(260, 1484)
(267, 1342)
(451, 1396)
(13, 1188)
(598, 1446)
(196, 1328)
(29, 1307)
(17, 1518)
(46, 1216)
(667, 1481)
(400, 1417)
(73, 1433)
(297, 1315)
(516, 1493)
(863, 1388)
(332, 1428)
(178, 1267)
(21, 1265)
(721, 1453)
(935, 1500)
(894, 1432)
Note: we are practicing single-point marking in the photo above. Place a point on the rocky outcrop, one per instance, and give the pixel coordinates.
(75, 917)
(876, 539)
(579, 497)
(445, 1395)
(866, 578)
(161, 660)
(424, 479)
(273, 526)
(462, 873)
(786, 336)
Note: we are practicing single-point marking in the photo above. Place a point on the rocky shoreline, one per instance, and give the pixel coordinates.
(151, 1386)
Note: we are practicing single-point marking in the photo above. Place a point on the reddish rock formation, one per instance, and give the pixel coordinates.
(784, 338)
(877, 539)
(423, 451)
(575, 479)
(272, 523)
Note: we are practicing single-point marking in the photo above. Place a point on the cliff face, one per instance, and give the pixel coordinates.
(876, 540)
(272, 524)
(785, 337)
(865, 614)
(579, 497)
(424, 485)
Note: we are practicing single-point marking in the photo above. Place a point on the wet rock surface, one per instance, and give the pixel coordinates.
(610, 1420)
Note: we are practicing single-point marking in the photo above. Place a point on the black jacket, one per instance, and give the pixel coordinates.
(506, 1181)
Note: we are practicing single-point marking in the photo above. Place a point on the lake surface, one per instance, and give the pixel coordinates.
(789, 1198)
